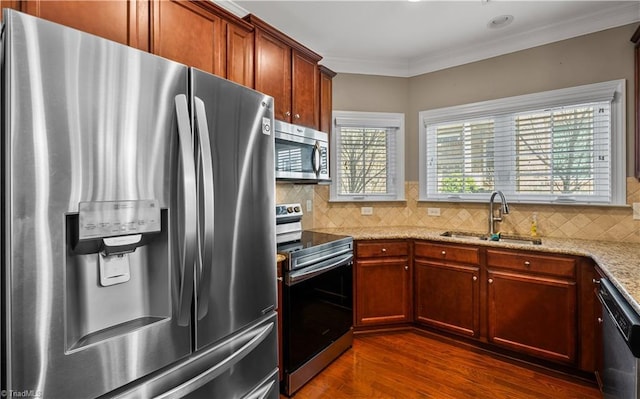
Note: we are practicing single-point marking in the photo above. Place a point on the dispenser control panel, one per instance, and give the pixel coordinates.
(116, 218)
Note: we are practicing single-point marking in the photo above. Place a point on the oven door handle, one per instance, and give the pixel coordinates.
(301, 275)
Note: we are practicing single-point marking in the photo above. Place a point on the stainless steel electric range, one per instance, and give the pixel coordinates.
(317, 297)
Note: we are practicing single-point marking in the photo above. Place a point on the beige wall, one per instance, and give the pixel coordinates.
(597, 57)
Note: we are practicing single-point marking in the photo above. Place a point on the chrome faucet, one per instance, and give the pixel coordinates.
(503, 210)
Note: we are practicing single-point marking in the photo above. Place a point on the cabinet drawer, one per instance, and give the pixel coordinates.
(451, 253)
(381, 248)
(550, 265)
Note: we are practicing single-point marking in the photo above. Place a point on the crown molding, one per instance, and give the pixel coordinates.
(232, 7)
(610, 18)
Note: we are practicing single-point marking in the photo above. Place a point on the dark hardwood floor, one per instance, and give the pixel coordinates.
(411, 365)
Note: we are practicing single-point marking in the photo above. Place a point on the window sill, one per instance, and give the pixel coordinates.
(559, 203)
(368, 200)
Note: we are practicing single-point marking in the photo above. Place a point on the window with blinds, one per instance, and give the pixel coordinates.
(368, 154)
(564, 146)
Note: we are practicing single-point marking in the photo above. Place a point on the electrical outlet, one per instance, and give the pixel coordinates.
(433, 211)
(636, 211)
(366, 211)
(309, 206)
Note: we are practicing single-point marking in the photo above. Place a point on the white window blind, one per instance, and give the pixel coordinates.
(533, 153)
(367, 160)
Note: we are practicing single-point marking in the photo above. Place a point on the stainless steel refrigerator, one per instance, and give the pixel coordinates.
(138, 223)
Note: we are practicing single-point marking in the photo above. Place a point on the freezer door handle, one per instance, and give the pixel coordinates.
(206, 230)
(262, 392)
(210, 374)
(189, 205)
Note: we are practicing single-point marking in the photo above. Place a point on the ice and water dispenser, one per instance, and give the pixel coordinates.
(117, 270)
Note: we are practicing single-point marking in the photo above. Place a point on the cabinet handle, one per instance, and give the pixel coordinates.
(287, 114)
(444, 253)
(490, 281)
(297, 116)
(279, 278)
(599, 320)
(384, 250)
(527, 263)
(595, 281)
(475, 278)
(406, 267)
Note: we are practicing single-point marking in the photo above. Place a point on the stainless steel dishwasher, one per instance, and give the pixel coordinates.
(621, 344)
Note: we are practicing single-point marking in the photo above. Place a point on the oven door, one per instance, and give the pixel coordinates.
(317, 311)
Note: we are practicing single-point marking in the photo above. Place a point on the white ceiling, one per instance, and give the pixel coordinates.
(402, 38)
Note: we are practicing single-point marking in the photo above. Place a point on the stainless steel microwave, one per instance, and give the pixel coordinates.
(302, 153)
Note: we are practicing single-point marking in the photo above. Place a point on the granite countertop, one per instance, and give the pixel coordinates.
(619, 261)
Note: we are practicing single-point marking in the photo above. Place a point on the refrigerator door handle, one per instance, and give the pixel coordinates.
(219, 368)
(190, 205)
(206, 241)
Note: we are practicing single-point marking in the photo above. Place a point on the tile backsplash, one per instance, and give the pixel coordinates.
(561, 221)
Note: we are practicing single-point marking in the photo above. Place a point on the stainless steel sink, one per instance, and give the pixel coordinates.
(506, 238)
(466, 235)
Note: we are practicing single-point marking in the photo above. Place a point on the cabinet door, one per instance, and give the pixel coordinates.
(596, 323)
(273, 72)
(186, 33)
(239, 55)
(326, 98)
(123, 21)
(534, 315)
(305, 110)
(383, 293)
(447, 297)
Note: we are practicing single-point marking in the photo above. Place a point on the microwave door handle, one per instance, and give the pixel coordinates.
(315, 158)
(207, 187)
(189, 202)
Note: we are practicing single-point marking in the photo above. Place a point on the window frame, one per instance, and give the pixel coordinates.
(368, 120)
(614, 91)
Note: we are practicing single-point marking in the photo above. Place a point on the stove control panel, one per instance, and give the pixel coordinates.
(288, 211)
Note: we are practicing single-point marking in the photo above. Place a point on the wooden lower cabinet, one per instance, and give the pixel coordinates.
(532, 303)
(533, 314)
(383, 284)
(447, 287)
(596, 322)
(447, 297)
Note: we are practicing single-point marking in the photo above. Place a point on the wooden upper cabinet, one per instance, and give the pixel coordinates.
(326, 76)
(14, 4)
(304, 98)
(273, 72)
(123, 21)
(240, 50)
(187, 33)
(287, 71)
